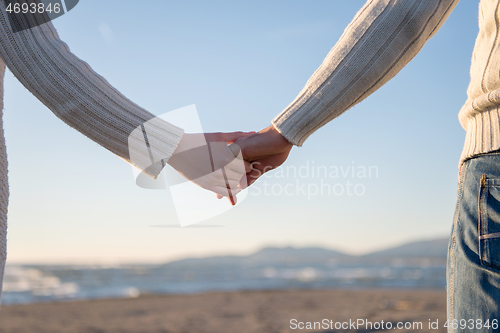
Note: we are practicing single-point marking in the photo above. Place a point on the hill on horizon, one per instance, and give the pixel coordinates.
(425, 248)
(293, 256)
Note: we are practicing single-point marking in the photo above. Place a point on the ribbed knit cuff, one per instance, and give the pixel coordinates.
(483, 134)
(152, 144)
(290, 126)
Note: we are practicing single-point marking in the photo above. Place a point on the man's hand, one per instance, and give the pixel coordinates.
(207, 160)
(265, 150)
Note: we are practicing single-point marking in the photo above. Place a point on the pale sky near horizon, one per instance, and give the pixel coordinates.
(240, 63)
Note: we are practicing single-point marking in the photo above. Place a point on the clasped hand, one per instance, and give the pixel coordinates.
(208, 161)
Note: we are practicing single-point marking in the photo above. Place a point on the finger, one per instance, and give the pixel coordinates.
(243, 184)
(216, 180)
(231, 199)
(226, 137)
(248, 166)
(237, 165)
(234, 175)
(258, 169)
(222, 190)
(232, 183)
(250, 178)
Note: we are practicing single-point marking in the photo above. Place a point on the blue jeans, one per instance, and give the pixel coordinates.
(473, 271)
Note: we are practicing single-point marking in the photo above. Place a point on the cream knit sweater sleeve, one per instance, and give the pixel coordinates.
(83, 99)
(382, 38)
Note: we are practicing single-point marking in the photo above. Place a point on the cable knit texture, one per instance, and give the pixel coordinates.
(82, 99)
(383, 37)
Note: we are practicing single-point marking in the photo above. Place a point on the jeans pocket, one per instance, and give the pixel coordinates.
(489, 222)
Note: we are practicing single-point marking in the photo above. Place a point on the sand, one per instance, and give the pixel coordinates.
(233, 312)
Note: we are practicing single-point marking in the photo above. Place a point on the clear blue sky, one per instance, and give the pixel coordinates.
(240, 63)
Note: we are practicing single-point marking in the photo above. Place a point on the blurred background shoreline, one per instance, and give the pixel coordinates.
(261, 292)
(415, 265)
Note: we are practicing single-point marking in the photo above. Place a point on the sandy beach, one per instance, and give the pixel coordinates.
(252, 312)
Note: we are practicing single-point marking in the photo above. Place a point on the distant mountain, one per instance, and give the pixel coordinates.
(296, 256)
(413, 252)
(436, 248)
(269, 256)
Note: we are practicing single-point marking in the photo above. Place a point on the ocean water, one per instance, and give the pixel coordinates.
(28, 284)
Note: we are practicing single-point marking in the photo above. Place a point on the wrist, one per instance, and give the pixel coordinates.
(279, 141)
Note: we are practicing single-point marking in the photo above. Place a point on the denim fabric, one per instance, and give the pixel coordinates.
(473, 272)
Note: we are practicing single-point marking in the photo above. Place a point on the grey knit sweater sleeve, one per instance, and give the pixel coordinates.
(382, 38)
(83, 99)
